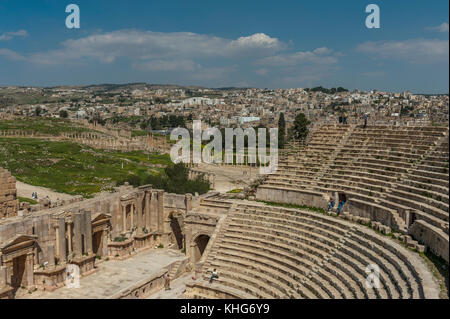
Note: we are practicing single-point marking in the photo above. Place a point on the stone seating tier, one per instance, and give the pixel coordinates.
(272, 252)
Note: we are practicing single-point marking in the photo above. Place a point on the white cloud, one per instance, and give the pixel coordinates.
(11, 55)
(166, 65)
(421, 51)
(148, 45)
(257, 40)
(317, 56)
(10, 35)
(262, 71)
(195, 57)
(441, 28)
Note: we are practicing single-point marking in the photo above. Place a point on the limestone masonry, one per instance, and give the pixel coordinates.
(391, 178)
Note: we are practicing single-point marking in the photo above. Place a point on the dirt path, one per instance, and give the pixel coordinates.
(25, 190)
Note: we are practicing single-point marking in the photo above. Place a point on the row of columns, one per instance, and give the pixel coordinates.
(145, 211)
(72, 236)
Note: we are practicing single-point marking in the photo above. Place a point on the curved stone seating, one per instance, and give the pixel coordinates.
(272, 252)
(404, 169)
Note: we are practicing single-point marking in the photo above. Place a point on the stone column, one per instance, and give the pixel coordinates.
(188, 199)
(148, 195)
(69, 238)
(124, 217)
(153, 211)
(29, 269)
(61, 242)
(104, 243)
(9, 272)
(2, 277)
(139, 209)
(51, 255)
(132, 210)
(88, 231)
(77, 220)
(160, 210)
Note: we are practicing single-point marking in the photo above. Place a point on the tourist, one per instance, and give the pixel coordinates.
(365, 120)
(345, 118)
(213, 276)
(341, 204)
(166, 281)
(331, 203)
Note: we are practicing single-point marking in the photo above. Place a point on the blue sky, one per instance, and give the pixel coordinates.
(273, 44)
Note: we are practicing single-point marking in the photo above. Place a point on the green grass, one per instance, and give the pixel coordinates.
(309, 208)
(48, 126)
(235, 191)
(73, 168)
(138, 133)
(27, 200)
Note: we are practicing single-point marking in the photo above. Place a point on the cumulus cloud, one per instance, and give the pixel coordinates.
(148, 45)
(166, 65)
(318, 56)
(441, 28)
(257, 40)
(421, 51)
(11, 55)
(13, 34)
(193, 56)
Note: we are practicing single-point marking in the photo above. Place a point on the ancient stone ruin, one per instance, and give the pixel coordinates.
(392, 181)
(8, 195)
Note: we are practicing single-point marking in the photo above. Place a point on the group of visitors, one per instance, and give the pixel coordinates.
(34, 195)
(344, 116)
(332, 202)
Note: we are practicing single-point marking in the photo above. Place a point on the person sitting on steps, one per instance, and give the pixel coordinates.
(214, 275)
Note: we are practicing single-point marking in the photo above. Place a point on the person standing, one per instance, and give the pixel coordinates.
(166, 281)
(341, 204)
(365, 120)
(331, 203)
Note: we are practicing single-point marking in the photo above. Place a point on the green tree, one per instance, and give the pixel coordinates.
(300, 129)
(38, 111)
(281, 131)
(63, 114)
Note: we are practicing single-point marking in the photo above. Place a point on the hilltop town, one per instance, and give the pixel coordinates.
(131, 104)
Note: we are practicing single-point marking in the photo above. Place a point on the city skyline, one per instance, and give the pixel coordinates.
(232, 45)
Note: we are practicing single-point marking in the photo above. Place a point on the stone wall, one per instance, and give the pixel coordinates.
(120, 223)
(9, 204)
(435, 239)
(292, 196)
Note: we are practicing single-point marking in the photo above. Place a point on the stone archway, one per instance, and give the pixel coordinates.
(174, 226)
(177, 233)
(200, 243)
(18, 261)
(100, 230)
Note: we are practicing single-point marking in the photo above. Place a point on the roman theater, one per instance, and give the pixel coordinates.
(274, 240)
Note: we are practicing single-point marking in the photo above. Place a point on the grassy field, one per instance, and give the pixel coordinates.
(26, 200)
(72, 168)
(42, 125)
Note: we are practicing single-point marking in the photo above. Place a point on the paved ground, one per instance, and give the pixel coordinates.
(177, 289)
(25, 190)
(114, 276)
